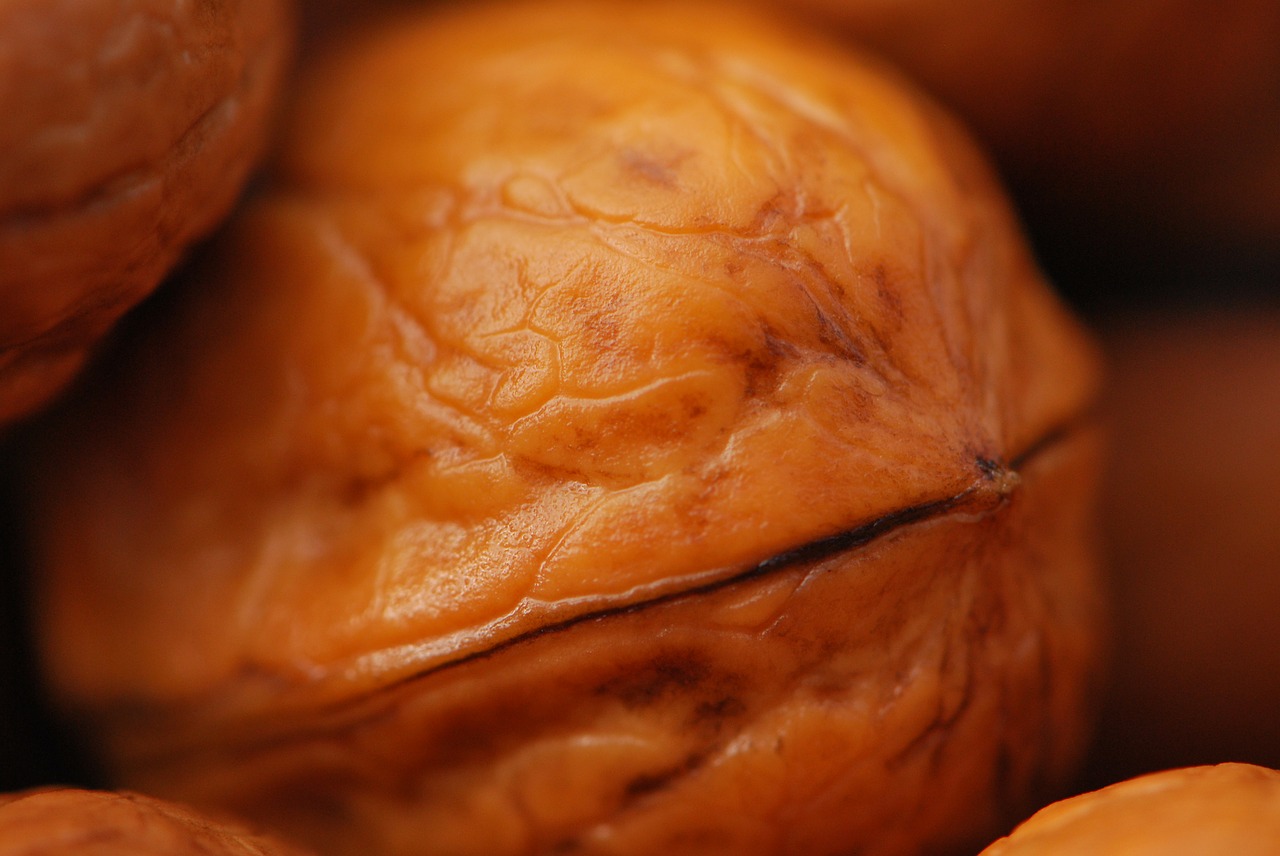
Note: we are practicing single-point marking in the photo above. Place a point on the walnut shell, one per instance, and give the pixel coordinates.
(1229, 808)
(603, 434)
(129, 129)
(98, 823)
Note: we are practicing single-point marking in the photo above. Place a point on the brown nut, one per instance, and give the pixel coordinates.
(1230, 808)
(97, 823)
(615, 430)
(129, 129)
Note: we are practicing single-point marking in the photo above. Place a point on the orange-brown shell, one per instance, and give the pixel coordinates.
(555, 318)
(1229, 808)
(99, 823)
(129, 129)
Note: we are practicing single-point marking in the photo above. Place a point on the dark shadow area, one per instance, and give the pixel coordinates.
(35, 750)
(1104, 274)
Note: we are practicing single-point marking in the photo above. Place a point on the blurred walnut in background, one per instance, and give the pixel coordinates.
(1228, 808)
(128, 131)
(95, 823)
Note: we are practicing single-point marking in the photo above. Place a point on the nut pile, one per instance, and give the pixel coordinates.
(600, 427)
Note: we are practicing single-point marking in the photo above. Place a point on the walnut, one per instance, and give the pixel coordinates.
(99, 823)
(129, 129)
(613, 430)
(1228, 808)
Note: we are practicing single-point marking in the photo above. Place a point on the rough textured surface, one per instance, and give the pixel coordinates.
(129, 129)
(95, 823)
(551, 315)
(1230, 808)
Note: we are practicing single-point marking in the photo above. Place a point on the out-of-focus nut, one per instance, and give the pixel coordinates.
(128, 131)
(1230, 808)
(98, 823)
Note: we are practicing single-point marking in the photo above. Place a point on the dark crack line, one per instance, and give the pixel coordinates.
(810, 553)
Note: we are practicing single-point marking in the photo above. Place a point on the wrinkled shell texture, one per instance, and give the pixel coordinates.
(94, 823)
(1167, 110)
(1228, 808)
(601, 435)
(129, 128)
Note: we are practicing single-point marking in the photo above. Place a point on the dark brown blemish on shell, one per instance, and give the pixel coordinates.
(646, 426)
(768, 219)
(651, 169)
(989, 467)
(717, 711)
(887, 293)
(834, 336)
(760, 376)
(890, 301)
(761, 366)
(647, 783)
(694, 408)
(602, 334)
(655, 680)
